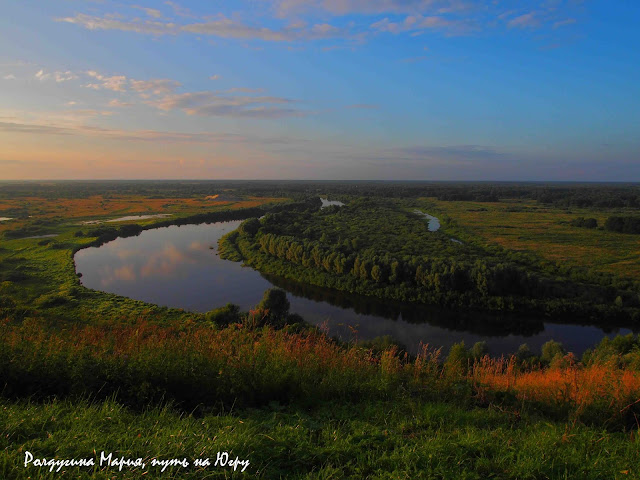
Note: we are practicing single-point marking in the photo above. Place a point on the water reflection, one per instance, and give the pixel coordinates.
(475, 322)
(128, 218)
(434, 223)
(178, 266)
(327, 203)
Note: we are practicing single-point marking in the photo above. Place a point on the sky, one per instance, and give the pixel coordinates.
(544, 90)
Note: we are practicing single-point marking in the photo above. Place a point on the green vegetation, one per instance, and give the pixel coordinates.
(83, 371)
(623, 224)
(379, 439)
(300, 406)
(383, 248)
(585, 222)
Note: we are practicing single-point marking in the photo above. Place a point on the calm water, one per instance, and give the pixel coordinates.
(434, 223)
(127, 218)
(328, 203)
(178, 266)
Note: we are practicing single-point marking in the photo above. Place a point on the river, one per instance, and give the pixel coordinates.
(178, 266)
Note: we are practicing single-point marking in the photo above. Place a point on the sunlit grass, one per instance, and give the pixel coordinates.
(604, 388)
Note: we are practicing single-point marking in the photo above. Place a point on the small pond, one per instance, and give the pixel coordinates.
(327, 203)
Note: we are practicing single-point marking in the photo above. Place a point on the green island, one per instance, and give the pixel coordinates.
(83, 371)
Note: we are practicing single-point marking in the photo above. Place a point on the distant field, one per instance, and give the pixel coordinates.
(546, 231)
(98, 206)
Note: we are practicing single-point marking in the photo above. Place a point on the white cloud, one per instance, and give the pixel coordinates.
(42, 76)
(412, 17)
(418, 22)
(59, 77)
(111, 23)
(9, 77)
(179, 10)
(156, 86)
(528, 20)
(64, 76)
(117, 103)
(152, 12)
(209, 103)
(367, 7)
(564, 23)
(215, 77)
(41, 127)
(227, 28)
(161, 94)
(222, 27)
(115, 83)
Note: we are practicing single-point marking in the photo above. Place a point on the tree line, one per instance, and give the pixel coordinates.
(323, 254)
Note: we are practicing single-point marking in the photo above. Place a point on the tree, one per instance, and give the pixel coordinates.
(376, 273)
(524, 353)
(479, 350)
(250, 227)
(458, 357)
(276, 304)
(550, 350)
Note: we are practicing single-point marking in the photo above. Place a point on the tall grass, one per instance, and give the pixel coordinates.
(191, 365)
(200, 367)
(601, 392)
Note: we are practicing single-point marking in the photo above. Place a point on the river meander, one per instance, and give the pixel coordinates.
(178, 266)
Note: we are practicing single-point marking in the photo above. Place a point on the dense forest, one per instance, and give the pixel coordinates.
(384, 248)
(558, 193)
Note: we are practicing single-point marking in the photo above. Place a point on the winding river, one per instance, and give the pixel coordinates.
(178, 266)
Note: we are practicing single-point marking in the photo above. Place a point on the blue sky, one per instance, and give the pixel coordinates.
(321, 89)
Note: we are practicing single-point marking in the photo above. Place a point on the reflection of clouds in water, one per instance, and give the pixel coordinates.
(127, 254)
(164, 262)
(197, 246)
(109, 274)
(180, 271)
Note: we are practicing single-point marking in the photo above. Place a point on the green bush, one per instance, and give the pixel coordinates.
(224, 316)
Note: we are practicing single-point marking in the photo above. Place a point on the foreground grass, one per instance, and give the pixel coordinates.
(204, 369)
(336, 440)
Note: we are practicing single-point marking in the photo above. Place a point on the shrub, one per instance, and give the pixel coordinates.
(275, 305)
(458, 358)
(479, 350)
(551, 350)
(224, 316)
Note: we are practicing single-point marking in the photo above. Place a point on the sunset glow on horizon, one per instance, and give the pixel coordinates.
(321, 89)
